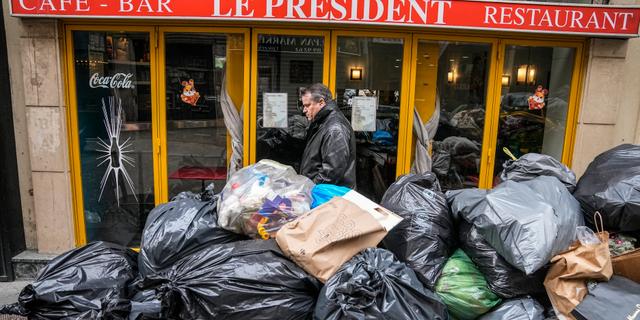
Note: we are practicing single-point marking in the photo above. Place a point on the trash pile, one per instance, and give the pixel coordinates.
(272, 245)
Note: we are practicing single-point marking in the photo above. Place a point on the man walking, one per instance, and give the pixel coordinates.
(330, 153)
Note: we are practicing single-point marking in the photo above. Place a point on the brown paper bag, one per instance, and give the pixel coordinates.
(628, 265)
(323, 239)
(565, 282)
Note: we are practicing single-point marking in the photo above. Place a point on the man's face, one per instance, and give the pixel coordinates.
(311, 108)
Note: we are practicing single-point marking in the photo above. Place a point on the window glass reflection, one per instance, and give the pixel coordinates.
(113, 88)
(196, 66)
(368, 85)
(533, 108)
(286, 64)
(451, 90)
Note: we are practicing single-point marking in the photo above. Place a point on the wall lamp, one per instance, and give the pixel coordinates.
(526, 75)
(506, 80)
(355, 74)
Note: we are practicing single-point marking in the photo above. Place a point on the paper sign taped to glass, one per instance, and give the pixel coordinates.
(274, 110)
(363, 113)
(323, 239)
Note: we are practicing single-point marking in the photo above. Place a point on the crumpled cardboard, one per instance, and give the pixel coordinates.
(566, 280)
(323, 239)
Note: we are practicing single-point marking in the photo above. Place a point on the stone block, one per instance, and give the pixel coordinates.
(40, 28)
(47, 139)
(604, 89)
(591, 140)
(29, 71)
(609, 48)
(48, 72)
(41, 72)
(54, 214)
(27, 264)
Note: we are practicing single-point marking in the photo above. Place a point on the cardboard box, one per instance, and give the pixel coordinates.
(323, 239)
(628, 265)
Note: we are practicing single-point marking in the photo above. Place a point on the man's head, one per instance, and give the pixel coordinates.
(314, 98)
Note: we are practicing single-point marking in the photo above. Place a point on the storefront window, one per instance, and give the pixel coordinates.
(368, 83)
(451, 79)
(113, 88)
(196, 66)
(286, 64)
(536, 83)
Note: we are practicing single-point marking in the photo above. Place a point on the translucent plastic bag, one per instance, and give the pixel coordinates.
(464, 289)
(586, 236)
(257, 200)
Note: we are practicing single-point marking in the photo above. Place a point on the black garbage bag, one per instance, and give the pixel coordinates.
(525, 308)
(504, 280)
(140, 304)
(179, 228)
(426, 237)
(241, 280)
(617, 299)
(610, 186)
(526, 222)
(78, 284)
(374, 285)
(533, 165)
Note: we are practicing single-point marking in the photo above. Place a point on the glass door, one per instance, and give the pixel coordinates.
(113, 132)
(371, 88)
(202, 91)
(285, 62)
(537, 100)
(452, 79)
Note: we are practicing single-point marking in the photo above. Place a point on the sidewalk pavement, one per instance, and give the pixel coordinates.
(9, 292)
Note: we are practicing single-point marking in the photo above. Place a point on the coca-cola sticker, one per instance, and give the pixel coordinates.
(117, 81)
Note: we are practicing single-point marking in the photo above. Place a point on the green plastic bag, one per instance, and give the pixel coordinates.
(464, 289)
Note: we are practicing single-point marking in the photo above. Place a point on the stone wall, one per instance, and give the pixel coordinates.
(41, 132)
(610, 101)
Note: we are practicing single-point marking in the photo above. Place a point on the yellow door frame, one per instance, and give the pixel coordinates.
(250, 119)
(402, 165)
(411, 38)
(72, 118)
(572, 108)
(161, 119)
(490, 104)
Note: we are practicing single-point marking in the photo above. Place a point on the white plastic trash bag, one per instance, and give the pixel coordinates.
(258, 199)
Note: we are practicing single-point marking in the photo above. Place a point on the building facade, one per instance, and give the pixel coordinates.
(115, 114)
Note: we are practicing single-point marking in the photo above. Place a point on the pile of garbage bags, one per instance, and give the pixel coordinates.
(518, 251)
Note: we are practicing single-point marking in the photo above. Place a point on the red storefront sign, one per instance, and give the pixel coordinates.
(618, 21)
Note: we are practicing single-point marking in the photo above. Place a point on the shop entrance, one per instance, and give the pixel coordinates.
(156, 110)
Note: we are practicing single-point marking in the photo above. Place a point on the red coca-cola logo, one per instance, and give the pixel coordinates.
(117, 81)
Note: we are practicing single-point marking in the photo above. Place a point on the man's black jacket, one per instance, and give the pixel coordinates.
(330, 153)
